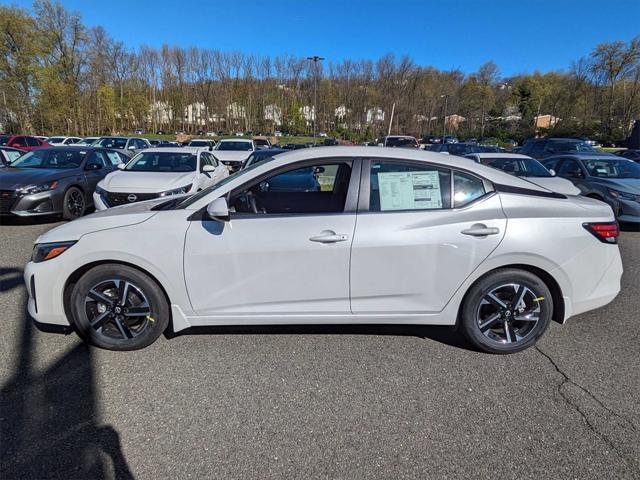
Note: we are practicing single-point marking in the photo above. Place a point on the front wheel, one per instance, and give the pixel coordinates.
(73, 204)
(117, 307)
(506, 311)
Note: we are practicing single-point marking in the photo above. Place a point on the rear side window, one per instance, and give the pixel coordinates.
(33, 142)
(404, 186)
(19, 142)
(467, 188)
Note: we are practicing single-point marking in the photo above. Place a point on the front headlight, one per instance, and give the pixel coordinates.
(42, 187)
(47, 251)
(176, 191)
(624, 195)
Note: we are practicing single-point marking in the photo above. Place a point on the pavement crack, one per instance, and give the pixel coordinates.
(605, 438)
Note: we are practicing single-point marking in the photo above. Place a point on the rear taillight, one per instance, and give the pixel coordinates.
(605, 232)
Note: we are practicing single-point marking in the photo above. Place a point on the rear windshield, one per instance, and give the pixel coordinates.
(401, 142)
(199, 143)
(565, 146)
(162, 162)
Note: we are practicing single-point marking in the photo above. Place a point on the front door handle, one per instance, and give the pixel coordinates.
(480, 230)
(329, 236)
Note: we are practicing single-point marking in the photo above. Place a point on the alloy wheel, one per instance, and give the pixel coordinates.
(509, 313)
(118, 309)
(75, 203)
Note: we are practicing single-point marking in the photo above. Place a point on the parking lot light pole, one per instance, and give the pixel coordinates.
(315, 59)
(444, 117)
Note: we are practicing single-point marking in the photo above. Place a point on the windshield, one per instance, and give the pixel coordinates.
(576, 146)
(56, 139)
(58, 159)
(111, 142)
(199, 143)
(202, 193)
(163, 162)
(401, 142)
(521, 167)
(260, 141)
(12, 155)
(87, 141)
(236, 146)
(612, 168)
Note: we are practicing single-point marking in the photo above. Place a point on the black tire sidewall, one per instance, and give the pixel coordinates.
(66, 214)
(159, 307)
(486, 284)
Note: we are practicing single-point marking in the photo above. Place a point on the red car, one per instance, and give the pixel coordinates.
(23, 142)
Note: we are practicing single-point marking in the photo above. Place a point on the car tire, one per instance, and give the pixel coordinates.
(73, 204)
(117, 307)
(506, 311)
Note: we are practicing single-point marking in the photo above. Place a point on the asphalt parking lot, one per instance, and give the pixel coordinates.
(320, 402)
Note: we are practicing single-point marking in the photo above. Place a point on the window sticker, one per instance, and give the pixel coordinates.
(409, 190)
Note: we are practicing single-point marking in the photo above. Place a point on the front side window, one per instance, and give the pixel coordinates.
(96, 158)
(607, 168)
(162, 162)
(319, 188)
(569, 168)
(521, 167)
(406, 186)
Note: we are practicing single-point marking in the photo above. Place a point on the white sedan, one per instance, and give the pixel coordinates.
(233, 152)
(57, 141)
(527, 168)
(159, 172)
(338, 235)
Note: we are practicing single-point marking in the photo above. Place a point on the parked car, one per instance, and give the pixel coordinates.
(139, 131)
(431, 139)
(23, 142)
(540, 148)
(459, 149)
(608, 178)
(294, 146)
(511, 143)
(630, 154)
(496, 255)
(87, 141)
(200, 142)
(450, 139)
(261, 142)
(8, 155)
(55, 180)
(41, 137)
(277, 133)
(399, 141)
(528, 168)
(233, 152)
(63, 140)
(123, 143)
(159, 172)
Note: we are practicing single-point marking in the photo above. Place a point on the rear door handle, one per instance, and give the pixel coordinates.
(480, 230)
(329, 236)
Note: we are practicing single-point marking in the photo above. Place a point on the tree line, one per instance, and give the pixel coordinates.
(58, 76)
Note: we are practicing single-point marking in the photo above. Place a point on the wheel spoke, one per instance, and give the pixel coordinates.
(100, 320)
(520, 291)
(489, 322)
(99, 297)
(491, 298)
(510, 332)
(527, 317)
(124, 329)
(123, 291)
(142, 311)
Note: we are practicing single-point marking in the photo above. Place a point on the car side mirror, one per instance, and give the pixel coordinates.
(208, 168)
(121, 166)
(218, 210)
(552, 172)
(131, 147)
(93, 166)
(318, 170)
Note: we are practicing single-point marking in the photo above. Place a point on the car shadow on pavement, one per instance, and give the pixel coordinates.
(39, 220)
(10, 278)
(630, 227)
(442, 334)
(49, 422)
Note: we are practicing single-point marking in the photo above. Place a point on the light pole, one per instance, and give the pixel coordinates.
(444, 117)
(315, 59)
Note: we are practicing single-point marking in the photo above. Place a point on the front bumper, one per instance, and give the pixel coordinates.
(628, 211)
(37, 204)
(45, 296)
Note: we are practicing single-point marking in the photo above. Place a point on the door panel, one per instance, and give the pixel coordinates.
(268, 265)
(414, 261)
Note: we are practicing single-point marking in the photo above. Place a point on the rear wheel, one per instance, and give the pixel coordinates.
(507, 311)
(119, 308)
(73, 204)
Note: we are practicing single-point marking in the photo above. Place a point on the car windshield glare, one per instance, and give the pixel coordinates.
(163, 162)
(58, 159)
(234, 146)
(612, 168)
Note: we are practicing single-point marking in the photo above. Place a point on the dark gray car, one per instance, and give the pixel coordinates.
(56, 180)
(609, 178)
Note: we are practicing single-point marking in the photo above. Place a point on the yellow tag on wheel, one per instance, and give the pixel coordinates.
(150, 318)
(539, 299)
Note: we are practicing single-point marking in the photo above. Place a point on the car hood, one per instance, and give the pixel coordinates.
(12, 178)
(231, 155)
(142, 182)
(630, 185)
(123, 216)
(555, 184)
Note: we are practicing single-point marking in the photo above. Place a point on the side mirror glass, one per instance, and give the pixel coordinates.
(121, 166)
(218, 209)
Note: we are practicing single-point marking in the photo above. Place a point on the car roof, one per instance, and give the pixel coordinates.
(175, 150)
(500, 155)
(584, 156)
(236, 140)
